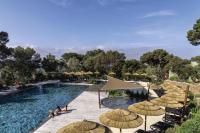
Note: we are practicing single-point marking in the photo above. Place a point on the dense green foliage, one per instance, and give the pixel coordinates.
(190, 126)
(23, 65)
(194, 34)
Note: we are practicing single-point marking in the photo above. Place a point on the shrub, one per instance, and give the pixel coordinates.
(190, 126)
(115, 93)
(171, 130)
(174, 78)
(144, 78)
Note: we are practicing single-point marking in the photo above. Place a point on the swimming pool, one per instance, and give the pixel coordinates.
(25, 111)
(119, 102)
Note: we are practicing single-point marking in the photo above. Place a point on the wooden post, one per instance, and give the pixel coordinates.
(145, 123)
(148, 86)
(186, 95)
(185, 100)
(99, 98)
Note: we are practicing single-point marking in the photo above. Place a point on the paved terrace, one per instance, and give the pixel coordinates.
(86, 107)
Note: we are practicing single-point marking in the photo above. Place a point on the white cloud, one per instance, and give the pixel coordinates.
(159, 14)
(62, 3)
(106, 2)
(148, 32)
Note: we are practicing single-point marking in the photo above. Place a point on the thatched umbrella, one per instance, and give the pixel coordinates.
(84, 127)
(111, 74)
(169, 86)
(120, 118)
(179, 91)
(136, 74)
(147, 109)
(97, 72)
(176, 96)
(89, 73)
(127, 75)
(166, 102)
(78, 73)
(66, 73)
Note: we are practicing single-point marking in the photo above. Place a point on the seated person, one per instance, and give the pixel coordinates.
(65, 108)
(59, 109)
(51, 114)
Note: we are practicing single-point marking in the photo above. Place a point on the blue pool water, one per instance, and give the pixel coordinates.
(119, 102)
(25, 111)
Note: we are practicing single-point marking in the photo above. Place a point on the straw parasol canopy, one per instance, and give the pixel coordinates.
(96, 72)
(78, 73)
(71, 73)
(84, 127)
(127, 74)
(166, 102)
(120, 118)
(111, 73)
(116, 84)
(179, 91)
(89, 73)
(147, 109)
(66, 73)
(176, 96)
(168, 86)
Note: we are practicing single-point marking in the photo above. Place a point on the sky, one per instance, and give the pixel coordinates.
(130, 26)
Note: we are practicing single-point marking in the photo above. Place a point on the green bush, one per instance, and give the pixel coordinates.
(174, 78)
(136, 94)
(115, 93)
(191, 126)
(144, 78)
(171, 130)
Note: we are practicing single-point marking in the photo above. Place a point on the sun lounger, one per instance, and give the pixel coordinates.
(160, 126)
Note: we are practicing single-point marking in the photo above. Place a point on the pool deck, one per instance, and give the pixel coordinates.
(85, 106)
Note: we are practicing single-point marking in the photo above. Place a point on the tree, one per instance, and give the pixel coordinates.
(131, 66)
(4, 50)
(49, 63)
(95, 61)
(114, 62)
(67, 56)
(26, 60)
(73, 64)
(194, 34)
(196, 58)
(158, 57)
(93, 53)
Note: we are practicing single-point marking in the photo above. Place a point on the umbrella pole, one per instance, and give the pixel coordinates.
(145, 123)
(185, 100)
(148, 85)
(120, 130)
(99, 99)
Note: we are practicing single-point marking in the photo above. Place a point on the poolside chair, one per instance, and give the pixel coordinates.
(160, 127)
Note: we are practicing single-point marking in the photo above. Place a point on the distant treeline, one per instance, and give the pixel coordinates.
(24, 65)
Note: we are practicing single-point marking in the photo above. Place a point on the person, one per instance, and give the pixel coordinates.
(59, 109)
(65, 109)
(66, 106)
(51, 114)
